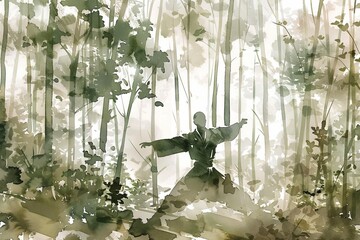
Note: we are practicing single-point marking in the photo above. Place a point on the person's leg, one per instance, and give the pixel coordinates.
(184, 193)
(220, 188)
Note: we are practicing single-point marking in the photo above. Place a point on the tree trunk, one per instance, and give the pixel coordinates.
(154, 170)
(49, 80)
(105, 109)
(281, 84)
(239, 156)
(188, 64)
(3, 81)
(253, 140)
(265, 90)
(216, 67)
(177, 92)
(228, 158)
(120, 157)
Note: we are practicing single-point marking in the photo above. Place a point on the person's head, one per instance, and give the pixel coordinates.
(199, 119)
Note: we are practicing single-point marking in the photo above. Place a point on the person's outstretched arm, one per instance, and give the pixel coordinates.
(230, 133)
(166, 147)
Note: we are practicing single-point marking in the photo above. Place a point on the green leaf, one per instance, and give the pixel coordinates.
(95, 19)
(199, 31)
(39, 160)
(343, 55)
(158, 104)
(357, 24)
(343, 69)
(343, 27)
(13, 175)
(92, 146)
(254, 182)
(122, 31)
(55, 35)
(357, 131)
(288, 39)
(158, 60)
(144, 91)
(91, 94)
(93, 4)
(68, 19)
(26, 9)
(34, 33)
(80, 5)
(94, 158)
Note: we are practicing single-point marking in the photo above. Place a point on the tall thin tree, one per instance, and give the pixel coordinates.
(265, 77)
(216, 65)
(49, 80)
(228, 159)
(154, 170)
(3, 79)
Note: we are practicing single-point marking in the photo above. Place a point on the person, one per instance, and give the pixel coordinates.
(203, 181)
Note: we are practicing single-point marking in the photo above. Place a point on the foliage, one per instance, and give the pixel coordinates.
(97, 57)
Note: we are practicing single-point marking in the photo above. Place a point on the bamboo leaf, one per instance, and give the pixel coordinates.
(343, 27)
(343, 55)
(253, 182)
(26, 9)
(159, 104)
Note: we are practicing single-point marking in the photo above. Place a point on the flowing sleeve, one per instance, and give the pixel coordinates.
(228, 133)
(166, 147)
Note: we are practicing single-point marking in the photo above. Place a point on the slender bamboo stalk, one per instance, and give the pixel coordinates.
(330, 68)
(177, 91)
(153, 113)
(120, 158)
(216, 66)
(307, 95)
(91, 77)
(281, 83)
(49, 77)
(353, 70)
(344, 200)
(3, 80)
(227, 79)
(3, 49)
(83, 110)
(188, 64)
(253, 140)
(265, 88)
(29, 93)
(241, 52)
(72, 95)
(329, 181)
(228, 64)
(350, 110)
